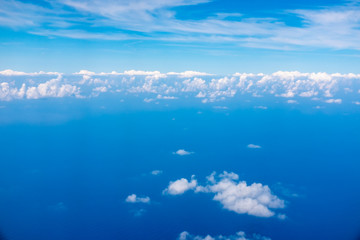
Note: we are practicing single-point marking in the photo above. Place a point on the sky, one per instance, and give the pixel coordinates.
(179, 120)
(220, 37)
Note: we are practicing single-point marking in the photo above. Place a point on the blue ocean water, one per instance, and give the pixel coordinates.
(66, 170)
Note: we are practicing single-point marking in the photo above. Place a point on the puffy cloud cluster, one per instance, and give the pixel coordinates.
(8, 93)
(238, 236)
(29, 89)
(155, 86)
(52, 88)
(234, 195)
(180, 186)
(135, 199)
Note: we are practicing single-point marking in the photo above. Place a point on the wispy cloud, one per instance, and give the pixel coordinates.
(156, 172)
(335, 27)
(254, 146)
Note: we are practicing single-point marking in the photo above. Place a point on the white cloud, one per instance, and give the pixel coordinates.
(100, 89)
(338, 101)
(238, 236)
(291, 101)
(52, 88)
(189, 74)
(166, 97)
(135, 199)
(8, 93)
(261, 107)
(255, 199)
(156, 172)
(335, 27)
(221, 107)
(147, 100)
(182, 152)
(152, 85)
(9, 72)
(180, 186)
(253, 146)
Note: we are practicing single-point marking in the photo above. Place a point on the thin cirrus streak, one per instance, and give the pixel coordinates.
(202, 87)
(334, 27)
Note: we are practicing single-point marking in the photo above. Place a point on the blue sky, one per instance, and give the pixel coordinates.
(178, 35)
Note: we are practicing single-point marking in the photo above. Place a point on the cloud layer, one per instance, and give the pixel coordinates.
(234, 195)
(238, 236)
(154, 86)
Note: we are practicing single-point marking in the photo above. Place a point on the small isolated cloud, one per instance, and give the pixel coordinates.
(338, 101)
(253, 146)
(291, 101)
(356, 103)
(59, 207)
(147, 100)
(182, 152)
(221, 107)
(138, 212)
(238, 236)
(261, 107)
(180, 186)
(156, 172)
(234, 195)
(166, 97)
(135, 199)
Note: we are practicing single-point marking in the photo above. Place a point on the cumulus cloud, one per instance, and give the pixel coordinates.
(234, 195)
(52, 88)
(180, 186)
(254, 146)
(135, 199)
(182, 152)
(202, 87)
(7, 92)
(238, 236)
